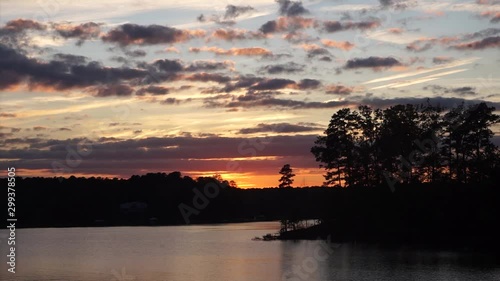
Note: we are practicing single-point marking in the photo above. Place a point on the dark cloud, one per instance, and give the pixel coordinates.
(233, 11)
(269, 27)
(186, 153)
(208, 66)
(291, 8)
(285, 103)
(113, 90)
(290, 67)
(311, 53)
(335, 26)
(338, 90)
(16, 68)
(154, 90)
(489, 42)
(82, 32)
(171, 101)
(272, 84)
(208, 77)
(281, 128)
(133, 34)
(372, 62)
(71, 59)
(396, 4)
(167, 65)
(462, 91)
(441, 60)
(136, 53)
(306, 84)
(446, 102)
(288, 24)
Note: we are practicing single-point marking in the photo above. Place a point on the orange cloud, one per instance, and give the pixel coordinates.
(236, 34)
(309, 47)
(343, 45)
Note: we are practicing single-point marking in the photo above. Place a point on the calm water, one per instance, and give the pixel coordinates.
(219, 253)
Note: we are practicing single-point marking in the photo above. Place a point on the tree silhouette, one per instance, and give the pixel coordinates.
(409, 143)
(287, 175)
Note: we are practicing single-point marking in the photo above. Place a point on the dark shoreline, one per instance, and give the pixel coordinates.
(479, 243)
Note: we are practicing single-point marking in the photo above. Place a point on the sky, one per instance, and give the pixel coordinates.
(230, 87)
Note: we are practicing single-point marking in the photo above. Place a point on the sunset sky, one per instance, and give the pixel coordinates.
(116, 88)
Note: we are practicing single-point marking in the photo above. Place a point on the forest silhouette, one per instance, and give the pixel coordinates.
(407, 174)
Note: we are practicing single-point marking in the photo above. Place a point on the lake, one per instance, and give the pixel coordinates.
(221, 252)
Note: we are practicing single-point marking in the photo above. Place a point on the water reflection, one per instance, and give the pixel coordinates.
(224, 252)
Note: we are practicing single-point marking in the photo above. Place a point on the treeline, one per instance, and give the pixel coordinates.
(151, 199)
(409, 144)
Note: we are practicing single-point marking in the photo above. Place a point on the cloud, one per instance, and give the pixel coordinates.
(372, 62)
(291, 8)
(167, 65)
(82, 32)
(133, 34)
(154, 90)
(425, 44)
(17, 68)
(272, 84)
(236, 34)
(489, 42)
(493, 15)
(233, 11)
(442, 60)
(21, 25)
(335, 26)
(446, 102)
(113, 90)
(186, 153)
(281, 128)
(461, 91)
(250, 51)
(395, 4)
(70, 59)
(288, 68)
(289, 24)
(343, 45)
(136, 53)
(338, 90)
(204, 65)
(314, 50)
(306, 84)
(7, 115)
(14, 32)
(208, 77)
